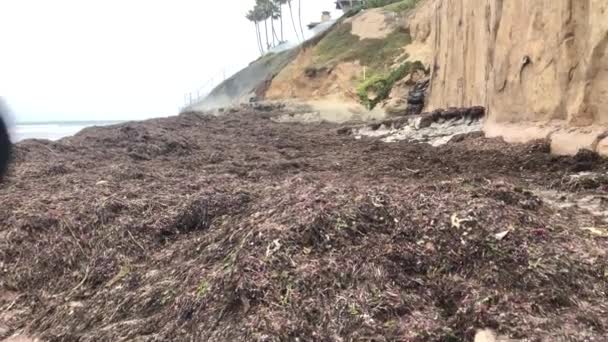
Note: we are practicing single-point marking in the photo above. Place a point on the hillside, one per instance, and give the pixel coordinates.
(538, 67)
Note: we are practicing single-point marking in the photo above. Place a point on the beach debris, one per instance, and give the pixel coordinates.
(502, 235)
(489, 335)
(273, 247)
(458, 222)
(601, 232)
(293, 231)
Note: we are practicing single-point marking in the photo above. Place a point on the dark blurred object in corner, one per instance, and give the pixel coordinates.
(5, 141)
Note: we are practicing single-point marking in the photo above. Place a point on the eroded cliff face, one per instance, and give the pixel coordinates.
(368, 44)
(540, 67)
(300, 80)
(524, 60)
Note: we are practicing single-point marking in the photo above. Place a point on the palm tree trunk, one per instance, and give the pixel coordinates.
(274, 34)
(266, 29)
(258, 38)
(300, 18)
(281, 14)
(293, 22)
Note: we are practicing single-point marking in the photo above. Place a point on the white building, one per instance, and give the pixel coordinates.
(347, 5)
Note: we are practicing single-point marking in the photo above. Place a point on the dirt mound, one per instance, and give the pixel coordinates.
(242, 228)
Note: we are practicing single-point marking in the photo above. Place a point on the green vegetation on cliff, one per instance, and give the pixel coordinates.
(391, 5)
(341, 45)
(378, 55)
(380, 85)
(401, 6)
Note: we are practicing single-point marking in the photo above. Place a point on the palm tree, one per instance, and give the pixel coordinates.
(253, 17)
(281, 17)
(293, 22)
(300, 18)
(266, 29)
(272, 11)
(266, 8)
(259, 16)
(274, 32)
(262, 9)
(280, 4)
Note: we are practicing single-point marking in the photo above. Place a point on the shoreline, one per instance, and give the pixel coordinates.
(53, 130)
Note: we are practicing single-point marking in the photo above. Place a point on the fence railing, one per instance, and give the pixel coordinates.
(200, 93)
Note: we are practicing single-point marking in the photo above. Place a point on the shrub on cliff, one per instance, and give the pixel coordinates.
(381, 85)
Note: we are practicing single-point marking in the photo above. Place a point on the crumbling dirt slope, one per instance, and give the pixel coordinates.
(301, 80)
(372, 23)
(241, 228)
(371, 43)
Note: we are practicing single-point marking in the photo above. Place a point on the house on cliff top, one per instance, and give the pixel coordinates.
(347, 5)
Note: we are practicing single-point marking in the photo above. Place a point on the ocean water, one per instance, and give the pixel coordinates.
(52, 130)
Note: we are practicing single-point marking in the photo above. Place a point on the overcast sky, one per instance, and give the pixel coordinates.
(121, 59)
